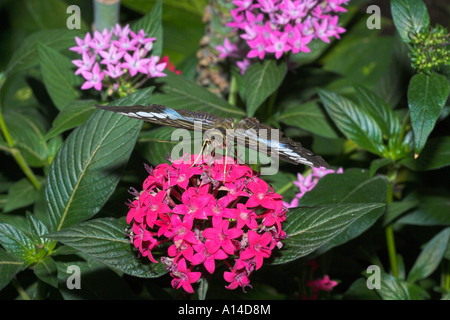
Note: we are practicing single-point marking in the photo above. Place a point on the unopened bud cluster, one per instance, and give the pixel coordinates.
(430, 49)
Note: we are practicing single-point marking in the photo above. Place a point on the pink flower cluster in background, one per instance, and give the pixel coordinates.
(201, 218)
(308, 182)
(280, 26)
(319, 284)
(112, 55)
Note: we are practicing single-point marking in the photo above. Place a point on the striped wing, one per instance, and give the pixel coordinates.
(247, 132)
(162, 115)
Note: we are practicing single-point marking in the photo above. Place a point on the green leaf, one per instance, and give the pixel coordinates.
(307, 116)
(309, 228)
(367, 70)
(354, 122)
(96, 281)
(43, 14)
(426, 98)
(104, 240)
(430, 257)
(410, 16)
(397, 208)
(21, 194)
(26, 55)
(16, 242)
(88, 165)
(9, 266)
(156, 145)
(47, 271)
(358, 290)
(37, 229)
(352, 186)
(27, 135)
(435, 155)
(377, 164)
(58, 75)
(260, 81)
(383, 115)
(180, 93)
(432, 210)
(72, 115)
(392, 288)
(151, 23)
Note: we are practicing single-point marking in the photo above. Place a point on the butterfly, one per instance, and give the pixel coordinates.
(247, 132)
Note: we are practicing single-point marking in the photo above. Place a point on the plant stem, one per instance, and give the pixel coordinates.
(233, 91)
(19, 289)
(285, 188)
(106, 13)
(392, 174)
(25, 168)
(445, 276)
(17, 155)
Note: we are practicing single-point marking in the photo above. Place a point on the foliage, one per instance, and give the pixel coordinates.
(370, 103)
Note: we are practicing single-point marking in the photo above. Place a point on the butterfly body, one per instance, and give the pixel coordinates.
(248, 132)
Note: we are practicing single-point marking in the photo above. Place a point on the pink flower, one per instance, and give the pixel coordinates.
(258, 247)
(308, 182)
(227, 49)
(130, 51)
(84, 45)
(278, 45)
(93, 79)
(237, 278)
(183, 276)
(154, 68)
(261, 195)
(101, 40)
(201, 217)
(324, 284)
(194, 204)
(85, 64)
(266, 27)
(170, 65)
(134, 63)
(220, 237)
(114, 71)
(112, 56)
(207, 258)
(258, 48)
(181, 230)
(245, 217)
(243, 65)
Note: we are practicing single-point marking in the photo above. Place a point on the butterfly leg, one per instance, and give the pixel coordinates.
(201, 152)
(225, 166)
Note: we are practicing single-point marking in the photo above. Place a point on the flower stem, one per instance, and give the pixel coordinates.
(106, 13)
(233, 91)
(285, 188)
(25, 168)
(389, 230)
(19, 289)
(17, 155)
(445, 276)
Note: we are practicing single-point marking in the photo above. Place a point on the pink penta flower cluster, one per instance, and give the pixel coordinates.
(308, 182)
(202, 216)
(280, 26)
(111, 57)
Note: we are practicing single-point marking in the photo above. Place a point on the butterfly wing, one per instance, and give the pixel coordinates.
(163, 115)
(247, 133)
